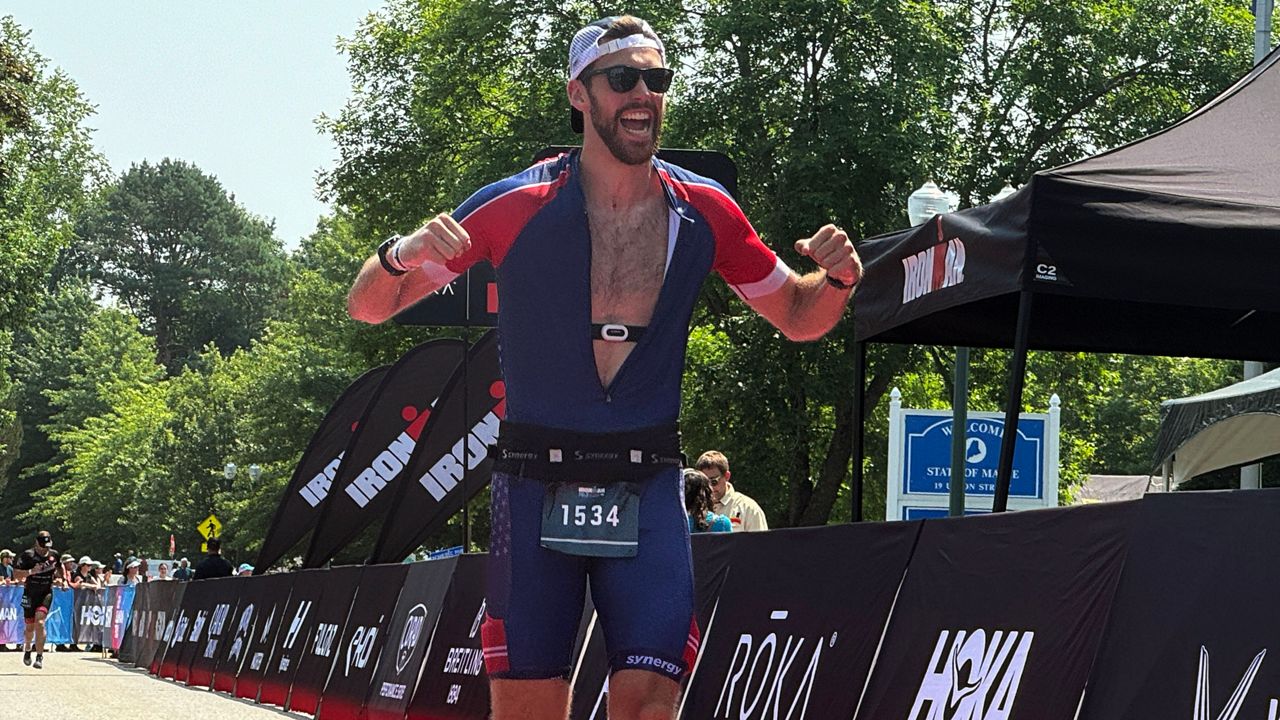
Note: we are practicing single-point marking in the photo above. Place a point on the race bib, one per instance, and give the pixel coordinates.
(592, 519)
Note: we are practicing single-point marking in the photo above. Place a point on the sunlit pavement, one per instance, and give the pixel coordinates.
(86, 686)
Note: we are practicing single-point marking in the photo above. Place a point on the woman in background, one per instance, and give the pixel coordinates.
(698, 504)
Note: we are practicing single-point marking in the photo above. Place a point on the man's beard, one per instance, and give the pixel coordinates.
(610, 131)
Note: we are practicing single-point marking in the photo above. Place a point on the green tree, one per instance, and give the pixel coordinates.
(48, 168)
(105, 426)
(42, 362)
(169, 243)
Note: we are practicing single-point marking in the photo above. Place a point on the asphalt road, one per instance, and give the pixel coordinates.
(84, 686)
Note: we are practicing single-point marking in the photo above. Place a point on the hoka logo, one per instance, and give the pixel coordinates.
(973, 677)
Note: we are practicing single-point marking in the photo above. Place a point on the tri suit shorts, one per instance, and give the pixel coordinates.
(645, 603)
(37, 602)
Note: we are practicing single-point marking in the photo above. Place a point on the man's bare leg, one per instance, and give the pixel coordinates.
(28, 641)
(529, 699)
(642, 695)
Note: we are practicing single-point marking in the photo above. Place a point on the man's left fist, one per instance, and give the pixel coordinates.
(831, 248)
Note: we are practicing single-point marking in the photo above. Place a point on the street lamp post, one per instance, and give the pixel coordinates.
(923, 204)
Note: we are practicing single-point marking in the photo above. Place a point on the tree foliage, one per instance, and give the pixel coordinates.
(169, 243)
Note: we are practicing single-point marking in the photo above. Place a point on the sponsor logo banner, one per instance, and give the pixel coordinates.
(454, 684)
(985, 628)
(1191, 633)
(452, 462)
(409, 633)
(323, 650)
(300, 506)
(361, 642)
(373, 463)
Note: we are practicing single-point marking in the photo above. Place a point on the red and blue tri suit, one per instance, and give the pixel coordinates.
(532, 227)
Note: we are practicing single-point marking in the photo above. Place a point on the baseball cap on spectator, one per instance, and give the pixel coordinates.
(6, 553)
(245, 566)
(98, 564)
(586, 49)
(86, 560)
(68, 557)
(133, 564)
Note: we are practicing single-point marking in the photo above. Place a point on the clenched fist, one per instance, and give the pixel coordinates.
(439, 241)
(831, 248)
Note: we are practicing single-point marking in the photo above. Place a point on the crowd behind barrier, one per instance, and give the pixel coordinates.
(993, 617)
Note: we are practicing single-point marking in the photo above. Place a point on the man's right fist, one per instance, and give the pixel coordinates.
(440, 240)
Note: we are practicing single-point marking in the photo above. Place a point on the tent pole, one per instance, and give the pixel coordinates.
(859, 400)
(1017, 379)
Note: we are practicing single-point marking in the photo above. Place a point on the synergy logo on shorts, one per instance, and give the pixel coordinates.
(973, 677)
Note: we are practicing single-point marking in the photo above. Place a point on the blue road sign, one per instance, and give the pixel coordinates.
(927, 456)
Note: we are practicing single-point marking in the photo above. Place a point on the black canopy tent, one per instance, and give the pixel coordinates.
(1230, 426)
(1166, 246)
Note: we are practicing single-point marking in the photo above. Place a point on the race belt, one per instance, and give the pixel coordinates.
(551, 454)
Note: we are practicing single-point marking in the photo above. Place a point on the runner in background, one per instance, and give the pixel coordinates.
(37, 567)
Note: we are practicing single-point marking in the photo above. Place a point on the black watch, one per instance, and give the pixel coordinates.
(385, 248)
(837, 284)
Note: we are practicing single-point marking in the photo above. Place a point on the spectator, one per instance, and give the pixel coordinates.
(245, 570)
(698, 502)
(117, 565)
(6, 567)
(85, 577)
(163, 573)
(144, 572)
(131, 574)
(214, 566)
(183, 572)
(70, 576)
(108, 578)
(743, 512)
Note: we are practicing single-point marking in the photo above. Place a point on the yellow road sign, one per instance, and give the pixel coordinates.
(210, 527)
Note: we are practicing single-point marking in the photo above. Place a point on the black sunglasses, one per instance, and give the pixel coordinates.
(624, 77)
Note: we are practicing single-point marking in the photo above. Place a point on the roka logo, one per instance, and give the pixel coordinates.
(760, 675)
(413, 625)
(1236, 701)
(936, 267)
(361, 647)
(973, 677)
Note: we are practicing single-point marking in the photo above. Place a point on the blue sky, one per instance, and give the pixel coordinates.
(234, 87)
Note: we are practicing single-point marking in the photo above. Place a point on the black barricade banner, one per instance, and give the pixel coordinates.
(323, 648)
(452, 462)
(372, 465)
(1000, 616)
(303, 498)
(296, 628)
(711, 558)
(453, 682)
(271, 603)
(233, 647)
(93, 616)
(205, 597)
(798, 618)
(1193, 633)
(169, 655)
(361, 642)
(412, 624)
(211, 631)
(156, 617)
